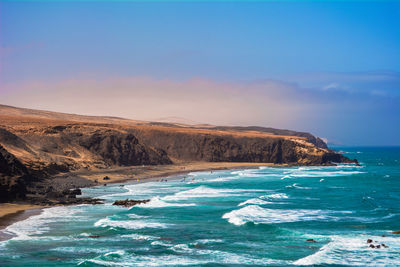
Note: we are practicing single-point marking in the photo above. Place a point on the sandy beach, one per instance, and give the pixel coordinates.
(11, 213)
(144, 173)
(11, 209)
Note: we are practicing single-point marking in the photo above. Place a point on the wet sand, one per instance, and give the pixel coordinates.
(11, 213)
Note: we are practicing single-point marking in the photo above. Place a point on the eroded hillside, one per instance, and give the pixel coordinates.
(40, 144)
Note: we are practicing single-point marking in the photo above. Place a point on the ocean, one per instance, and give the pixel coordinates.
(321, 216)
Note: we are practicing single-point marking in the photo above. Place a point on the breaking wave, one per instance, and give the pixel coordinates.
(208, 192)
(132, 224)
(257, 215)
(157, 202)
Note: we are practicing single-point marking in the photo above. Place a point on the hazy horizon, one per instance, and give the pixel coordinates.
(331, 69)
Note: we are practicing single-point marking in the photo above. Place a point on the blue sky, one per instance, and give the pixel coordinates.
(331, 68)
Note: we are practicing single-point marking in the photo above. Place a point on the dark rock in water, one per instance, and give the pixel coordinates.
(396, 232)
(94, 236)
(106, 178)
(377, 246)
(72, 193)
(130, 202)
(311, 240)
(369, 241)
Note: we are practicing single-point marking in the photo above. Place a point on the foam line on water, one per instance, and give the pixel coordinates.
(38, 224)
(207, 192)
(222, 179)
(135, 216)
(257, 215)
(132, 224)
(144, 190)
(256, 201)
(140, 237)
(208, 241)
(121, 258)
(275, 196)
(76, 250)
(296, 186)
(157, 202)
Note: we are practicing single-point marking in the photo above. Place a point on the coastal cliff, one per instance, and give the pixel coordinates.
(228, 146)
(14, 177)
(37, 145)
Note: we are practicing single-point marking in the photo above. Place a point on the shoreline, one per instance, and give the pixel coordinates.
(9, 210)
(174, 173)
(13, 212)
(140, 173)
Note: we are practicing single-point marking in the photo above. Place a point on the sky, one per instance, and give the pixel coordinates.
(331, 68)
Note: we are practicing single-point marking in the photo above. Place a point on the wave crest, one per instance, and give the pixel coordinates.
(257, 214)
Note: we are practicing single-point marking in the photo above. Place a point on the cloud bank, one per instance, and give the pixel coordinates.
(347, 108)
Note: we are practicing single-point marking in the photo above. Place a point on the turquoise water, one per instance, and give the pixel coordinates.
(228, 218)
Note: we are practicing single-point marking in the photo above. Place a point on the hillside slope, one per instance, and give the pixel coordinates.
(42, 144)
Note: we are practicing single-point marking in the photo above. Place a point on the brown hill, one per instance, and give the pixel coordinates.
(47, 143)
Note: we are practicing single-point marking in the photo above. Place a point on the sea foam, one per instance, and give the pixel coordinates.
(255, 201)
(132, 224)
(275, 196)
(207, 192)
(157, 202)
(37, 224)
(257, 214)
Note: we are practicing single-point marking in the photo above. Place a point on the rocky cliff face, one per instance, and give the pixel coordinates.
(318, 142)
(231, 148)
(50, 150)
(121, 149)
(14, 177)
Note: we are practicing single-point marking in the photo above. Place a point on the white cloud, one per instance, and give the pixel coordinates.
(332, 112)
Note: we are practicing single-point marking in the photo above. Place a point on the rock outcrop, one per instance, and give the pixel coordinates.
(14, 177)
(130, 202)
